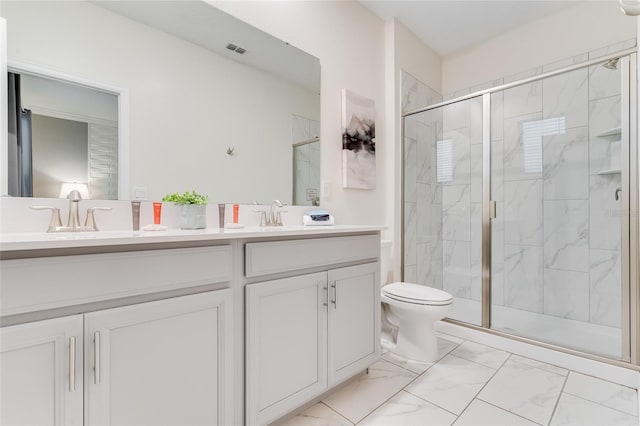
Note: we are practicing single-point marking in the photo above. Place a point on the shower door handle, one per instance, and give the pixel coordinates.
(617, 194)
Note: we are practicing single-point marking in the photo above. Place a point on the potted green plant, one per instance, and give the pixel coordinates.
(193, 209)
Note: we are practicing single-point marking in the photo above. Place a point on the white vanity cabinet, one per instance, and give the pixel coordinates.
(41, 370)
(309, 332)
(160, 362)
(153, 338)
(153, 363)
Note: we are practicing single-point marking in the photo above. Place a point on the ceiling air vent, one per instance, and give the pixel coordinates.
(235, 48)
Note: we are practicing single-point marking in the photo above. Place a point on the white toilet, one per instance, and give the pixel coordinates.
(413, 309)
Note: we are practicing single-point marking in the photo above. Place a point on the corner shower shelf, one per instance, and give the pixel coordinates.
(609, 172)
(610, 132)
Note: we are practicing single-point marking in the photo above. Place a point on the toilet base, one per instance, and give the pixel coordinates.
(417, 342)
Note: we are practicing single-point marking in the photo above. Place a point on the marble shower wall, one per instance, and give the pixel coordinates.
(556, 247)
(307, 160)
(422, 195)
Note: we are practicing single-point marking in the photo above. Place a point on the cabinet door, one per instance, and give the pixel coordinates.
(354, 320)
(167, 362)
(42, 372)
(286, 345)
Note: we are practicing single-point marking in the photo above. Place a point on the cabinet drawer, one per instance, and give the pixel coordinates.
(282, 256)
(51, 282)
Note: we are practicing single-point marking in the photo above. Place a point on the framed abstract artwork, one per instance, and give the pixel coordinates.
(358, 141)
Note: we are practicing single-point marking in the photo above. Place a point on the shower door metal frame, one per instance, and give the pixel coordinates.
(630, 212)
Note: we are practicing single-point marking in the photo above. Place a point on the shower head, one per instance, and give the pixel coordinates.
(611, 64)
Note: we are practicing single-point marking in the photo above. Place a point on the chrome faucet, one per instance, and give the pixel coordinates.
(274, 216)
(73, 221)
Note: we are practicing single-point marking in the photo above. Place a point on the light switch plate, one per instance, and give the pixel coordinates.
(140, 193)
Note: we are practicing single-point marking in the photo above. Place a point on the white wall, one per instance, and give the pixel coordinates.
(349, 41)
(572, 31)
(187, 104)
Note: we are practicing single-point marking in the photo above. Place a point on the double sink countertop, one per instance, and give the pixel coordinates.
(15, 242)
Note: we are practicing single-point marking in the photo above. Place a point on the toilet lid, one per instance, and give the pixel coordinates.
(414, 293)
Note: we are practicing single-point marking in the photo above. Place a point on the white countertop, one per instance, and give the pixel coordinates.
(41, 240)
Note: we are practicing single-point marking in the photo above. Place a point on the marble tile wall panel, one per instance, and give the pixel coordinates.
(410, 169)
(456, 116)
(497, 256)
(565, 96)
(523, 286)
(424, 216)
(566, 235)
(476, 173)
(487, 85)
(523, 74)
(604, 212)
(456, 213)
(497, 115)
(457, 268)
(425, 153)
(522, 147)
(523, 100)
(410, 232)
(612, 48)
(604, 114)
(410, 274)
(476, 251)
(605, 286)
(523, 213)
(603, 82)
(475, 120)
(314, 165)
(409, 89)
(563, 63)
(566, 294)
(429, 267)
(497, 170)
(460, 156)
(566, 165)
(302, 182)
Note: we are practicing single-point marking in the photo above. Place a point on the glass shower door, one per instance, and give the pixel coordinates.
(556, 178)
(443, 204)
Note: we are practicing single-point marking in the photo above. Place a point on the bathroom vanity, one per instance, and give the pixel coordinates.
(184, 327)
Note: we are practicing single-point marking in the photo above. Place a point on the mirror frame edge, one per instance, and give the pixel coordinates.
(40, 71)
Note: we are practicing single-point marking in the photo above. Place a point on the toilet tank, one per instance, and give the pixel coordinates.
(385, 255)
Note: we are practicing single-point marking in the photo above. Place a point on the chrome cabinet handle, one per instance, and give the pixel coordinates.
(96, 357)
(335, 295)
(72, 364)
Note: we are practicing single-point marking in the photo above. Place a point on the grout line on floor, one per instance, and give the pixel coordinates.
(597, 403)
(510, 412)
(432, 403)
(335, 411)
(555, 407)
(483, 386)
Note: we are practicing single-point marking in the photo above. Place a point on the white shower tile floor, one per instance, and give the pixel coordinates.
(472, 385)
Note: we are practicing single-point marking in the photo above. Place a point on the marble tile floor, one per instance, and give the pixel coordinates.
(473, 385)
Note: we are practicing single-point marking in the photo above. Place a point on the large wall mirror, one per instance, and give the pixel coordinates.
(138, 99)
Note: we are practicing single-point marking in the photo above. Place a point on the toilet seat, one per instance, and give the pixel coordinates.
(416, 294)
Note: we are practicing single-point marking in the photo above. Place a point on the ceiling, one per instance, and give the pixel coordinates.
(450, 26)
(206, 26)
